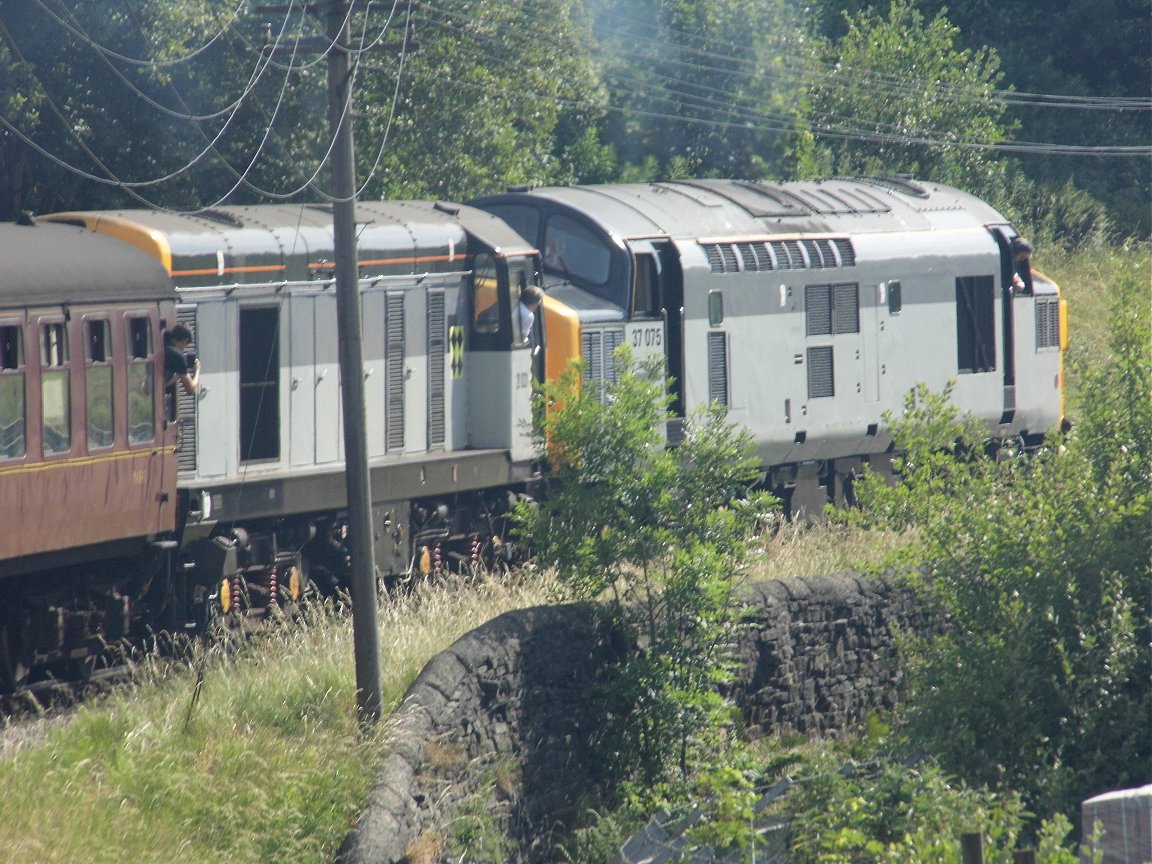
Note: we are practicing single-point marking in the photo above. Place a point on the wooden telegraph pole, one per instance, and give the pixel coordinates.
(366, 636)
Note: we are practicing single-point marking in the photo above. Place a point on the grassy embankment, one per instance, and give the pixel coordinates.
(262, 762)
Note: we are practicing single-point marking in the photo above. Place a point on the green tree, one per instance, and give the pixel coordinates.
(167, 103)
(699, 88)
(1093, 48)
(898, 94)
(497, 93)
(874, 808)
(661, 535)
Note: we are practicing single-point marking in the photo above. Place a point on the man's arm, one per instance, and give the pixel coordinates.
(190, 381)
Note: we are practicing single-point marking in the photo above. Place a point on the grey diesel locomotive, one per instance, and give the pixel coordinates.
(806, 309)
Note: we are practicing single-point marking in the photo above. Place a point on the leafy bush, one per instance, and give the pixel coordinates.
(1041, 566)
(878, 809)
(662, 535)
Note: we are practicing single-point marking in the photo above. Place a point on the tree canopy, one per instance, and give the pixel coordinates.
(188, 103)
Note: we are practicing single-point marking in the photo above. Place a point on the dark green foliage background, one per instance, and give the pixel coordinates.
(159, 102)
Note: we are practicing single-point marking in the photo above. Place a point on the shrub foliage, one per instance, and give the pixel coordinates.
(661, 535)
(1041, 565)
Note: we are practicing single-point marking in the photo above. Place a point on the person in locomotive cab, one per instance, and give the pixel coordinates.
(530, 299)
(178, 364)
(1021, 266)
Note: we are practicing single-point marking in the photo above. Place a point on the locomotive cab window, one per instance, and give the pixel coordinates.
(518, 279)
(12, 401)
(55, 407)
(141, 371)
(98, 380)
(574, 251)
(495, 292)
(485, 295)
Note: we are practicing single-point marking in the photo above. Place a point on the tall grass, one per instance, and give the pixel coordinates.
(240, 753)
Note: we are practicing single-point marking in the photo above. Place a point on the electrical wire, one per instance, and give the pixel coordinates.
(679, 76)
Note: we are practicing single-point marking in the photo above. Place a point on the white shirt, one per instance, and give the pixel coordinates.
(527, 318)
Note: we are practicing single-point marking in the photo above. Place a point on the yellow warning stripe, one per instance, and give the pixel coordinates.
(36, 467)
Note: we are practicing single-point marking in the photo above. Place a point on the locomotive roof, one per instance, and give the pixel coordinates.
(726, 208)
(85, 268)
(274, 242)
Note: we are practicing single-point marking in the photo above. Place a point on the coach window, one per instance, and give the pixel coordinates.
(98, 369)
(55, 409)
(12, 402)
(141, 404)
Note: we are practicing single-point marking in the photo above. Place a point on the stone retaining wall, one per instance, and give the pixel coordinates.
(507, 712)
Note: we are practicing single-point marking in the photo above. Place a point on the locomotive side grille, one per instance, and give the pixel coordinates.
(597, 347)
(832, 309)
(718, 367)
(846, 309)
(818, 303)
(593, 358)
(820, 253)
(437, 344)
(820, 381)
(788, 255)
(760, 255)
(186, 405)
(394, 368)
(846, 252)
(1047, 323)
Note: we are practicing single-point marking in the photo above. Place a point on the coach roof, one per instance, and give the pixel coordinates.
(84, 268)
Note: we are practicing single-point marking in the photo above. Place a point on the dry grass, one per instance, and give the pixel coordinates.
(241, 754)
(815, 550)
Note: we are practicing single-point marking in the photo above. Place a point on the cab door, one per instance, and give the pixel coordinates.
(499, 363)
(657, 313)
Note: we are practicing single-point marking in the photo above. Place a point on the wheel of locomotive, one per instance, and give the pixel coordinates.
(15, 653)
(79, 670)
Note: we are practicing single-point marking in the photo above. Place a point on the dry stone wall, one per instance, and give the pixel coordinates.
(508, 712)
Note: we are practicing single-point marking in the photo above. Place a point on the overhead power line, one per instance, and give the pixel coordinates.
(700, 86)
